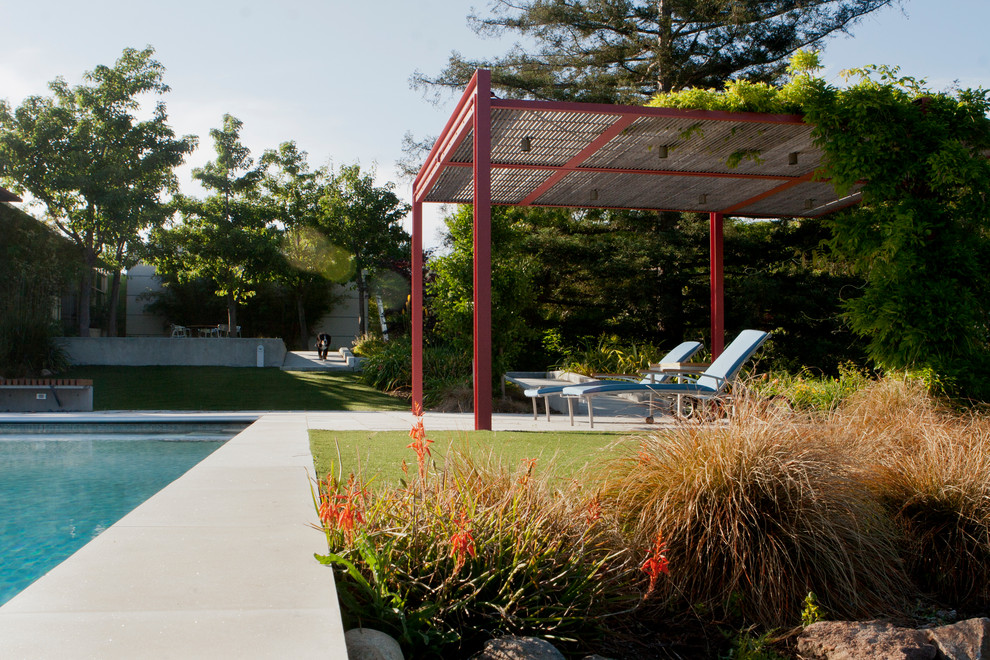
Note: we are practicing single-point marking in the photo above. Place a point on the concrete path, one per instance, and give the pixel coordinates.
(310, 361)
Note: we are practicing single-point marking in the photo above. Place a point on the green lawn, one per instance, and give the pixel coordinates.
(378, 455)
(230, 388)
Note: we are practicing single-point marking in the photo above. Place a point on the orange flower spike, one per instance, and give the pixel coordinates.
(594, 512)
(656, 563)
(462, 543)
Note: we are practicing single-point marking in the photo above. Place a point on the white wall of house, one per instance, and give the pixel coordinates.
(141, 279)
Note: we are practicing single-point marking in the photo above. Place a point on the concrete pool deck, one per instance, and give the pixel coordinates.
(220, 562)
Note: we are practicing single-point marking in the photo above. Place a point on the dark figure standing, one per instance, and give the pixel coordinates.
(323, 345)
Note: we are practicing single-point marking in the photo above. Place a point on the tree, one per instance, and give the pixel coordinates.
(625, 51)
(97, 169)
(451, 286)
(920, 238)
(365, 220)
(292, 191)
(227, 237)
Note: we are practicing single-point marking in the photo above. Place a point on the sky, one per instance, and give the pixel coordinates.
(334, 75)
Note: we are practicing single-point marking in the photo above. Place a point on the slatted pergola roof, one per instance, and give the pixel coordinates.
(581, 155)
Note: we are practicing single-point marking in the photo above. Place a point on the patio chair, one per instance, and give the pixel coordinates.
(710, 384)
(681, 353)
(179, 331)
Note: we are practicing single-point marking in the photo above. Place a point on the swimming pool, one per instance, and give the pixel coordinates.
(59, 491)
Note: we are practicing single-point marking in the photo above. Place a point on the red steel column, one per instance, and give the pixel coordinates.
(416, 304)
(482, 252)
(717, 284)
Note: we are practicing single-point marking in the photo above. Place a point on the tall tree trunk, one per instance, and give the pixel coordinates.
(115, 293)
(112, 307)
(664, 49)
(303, 329)
(85, 290)
(231, 314)
(361, 288)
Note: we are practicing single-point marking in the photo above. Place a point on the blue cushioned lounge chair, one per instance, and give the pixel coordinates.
(710, 384)
(681, 353)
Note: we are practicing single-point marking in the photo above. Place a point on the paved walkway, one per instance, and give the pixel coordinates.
(310, 361)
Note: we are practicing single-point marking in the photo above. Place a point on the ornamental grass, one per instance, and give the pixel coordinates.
(466, 551)
(756, 514)
(930, 468)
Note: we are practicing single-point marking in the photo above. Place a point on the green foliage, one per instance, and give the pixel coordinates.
(446, 369)
(364, 219)
(811, 612)
(367, 345)
(227, 238)
(748, 646)
(623, 52)
(229, 388)
(530, 561)
(450, 290)
(919, 237)
(35, 266)
(805, 391)
(609, 356)
(98, 170)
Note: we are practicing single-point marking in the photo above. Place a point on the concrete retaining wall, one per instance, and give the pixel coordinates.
(164, 351)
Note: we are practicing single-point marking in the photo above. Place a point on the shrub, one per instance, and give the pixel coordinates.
(756, 515)
(470, 551)
(930, 467)
(368, 344)
(609, 355)
(804, 391)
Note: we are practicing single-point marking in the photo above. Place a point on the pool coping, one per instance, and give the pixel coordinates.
(217, 564)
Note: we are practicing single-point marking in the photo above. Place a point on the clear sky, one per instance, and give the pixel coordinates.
(333, 75)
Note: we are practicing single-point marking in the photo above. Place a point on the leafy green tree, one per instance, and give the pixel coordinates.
(365, 220)
(228, 238)
(628, 50)
(292, 191)
(919, 238)
(99, 171)
(451, 285)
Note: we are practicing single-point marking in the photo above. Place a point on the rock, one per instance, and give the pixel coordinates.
(371, 644)
(518, 648)
(867, 640)
(965, 640)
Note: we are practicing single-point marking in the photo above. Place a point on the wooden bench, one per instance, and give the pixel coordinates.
(46, 394)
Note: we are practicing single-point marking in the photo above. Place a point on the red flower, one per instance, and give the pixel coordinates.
(462, 543)
(656, 563)
(339, 511)
(594, 510)
(421, 445)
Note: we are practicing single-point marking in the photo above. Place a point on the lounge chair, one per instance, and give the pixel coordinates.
(681, 353)
(710, 384)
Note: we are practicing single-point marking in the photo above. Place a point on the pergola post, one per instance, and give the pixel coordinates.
(416, 304)
(482, 252)
(717, 284)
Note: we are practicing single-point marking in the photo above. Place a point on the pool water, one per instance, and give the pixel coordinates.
(58, 492)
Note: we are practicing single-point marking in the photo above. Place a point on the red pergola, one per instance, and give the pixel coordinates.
(585, 155)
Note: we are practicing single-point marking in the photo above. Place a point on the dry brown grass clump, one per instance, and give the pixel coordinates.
(930, 467)
(756, 514)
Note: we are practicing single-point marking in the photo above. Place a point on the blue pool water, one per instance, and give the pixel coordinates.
(58, 492)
